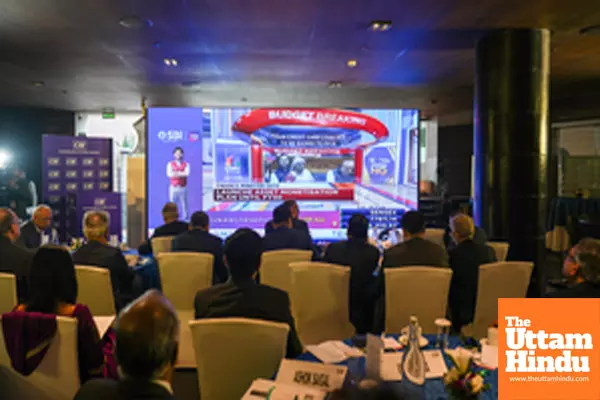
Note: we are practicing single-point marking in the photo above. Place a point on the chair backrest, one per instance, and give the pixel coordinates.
(501, 250)
(162, 244)
(233, 352)
(420, 291)
(95, 289)
(8, 292)
(182, 275)
(274, 265)
(436, 236)
(57, 376)
(498, 280)
(320, 299)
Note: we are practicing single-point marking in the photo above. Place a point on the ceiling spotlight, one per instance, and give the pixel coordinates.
(170, 62)
(335, 84)
(135, 22)
(380, 26)
(352, 63)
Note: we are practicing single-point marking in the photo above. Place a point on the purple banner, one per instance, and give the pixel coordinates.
(258, 219)
(174, 161)
(73, 166)
(103, 201)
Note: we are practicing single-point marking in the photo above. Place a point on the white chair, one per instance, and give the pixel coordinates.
(186, 357)
(501, 250)
(274, 266)
(162, 244)
(436, 236)
(182, 275)
(95, 290)
(319, 298)
(57, 376)
(233, 352)
(8, 293)
(420, 291)
(497, 280)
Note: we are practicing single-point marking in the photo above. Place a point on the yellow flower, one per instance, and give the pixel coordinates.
(451, 376)
(476, 384)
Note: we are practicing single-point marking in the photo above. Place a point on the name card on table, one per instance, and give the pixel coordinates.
(265, 389)
(311, 374)
(373, 361)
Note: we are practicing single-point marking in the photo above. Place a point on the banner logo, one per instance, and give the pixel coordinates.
(170, 136)
(549, 348)
(79, 144)
(193, 137)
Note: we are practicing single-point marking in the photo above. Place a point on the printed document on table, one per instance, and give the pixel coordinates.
(334, 351)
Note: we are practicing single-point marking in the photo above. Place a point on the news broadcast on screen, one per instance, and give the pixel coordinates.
(238, 164)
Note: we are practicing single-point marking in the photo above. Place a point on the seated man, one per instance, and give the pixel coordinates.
(14, 259)
(415, 250)
(297, 223)
(284, 237)
(172, 227)
(465, 260)
(363, 260)
(241, 296)
(480, 236)
(41, 225)
(97, 252)
(148, 336)
(198, 239)
(582, 267)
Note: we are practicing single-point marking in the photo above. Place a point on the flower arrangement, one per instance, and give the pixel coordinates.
(461, 381)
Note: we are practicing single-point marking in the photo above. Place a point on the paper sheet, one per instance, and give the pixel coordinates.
(103, 323)
(391, 366)
(334, 351)
(434, 364)
(262, 388)
(489, 356)
(389, 343)
(311, 374)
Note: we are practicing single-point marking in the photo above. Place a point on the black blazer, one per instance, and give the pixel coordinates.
(298, 224)
(288, 239)
(248, 299)
(30, 238)
(201, 241)
(363, 260)
(415, 252)
(97, 254)
(108, 389)
(171, 229)
(584, 290)
(465, 261)
(16, 260)
(479, 238)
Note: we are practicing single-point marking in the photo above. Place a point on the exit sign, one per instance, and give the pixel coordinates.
(108, 113)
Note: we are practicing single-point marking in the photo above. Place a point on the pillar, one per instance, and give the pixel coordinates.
(511, 142)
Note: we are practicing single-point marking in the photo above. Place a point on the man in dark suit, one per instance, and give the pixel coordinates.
(297, 223)
(363, 260)
(583, 265)
(172, 227)
(14, 259)
(415, 250)
(465, 260)
(148, 336)
(241, 296)
(283, 236)
(480, 237)
(198, 239)
(97, 252)
(40, 225)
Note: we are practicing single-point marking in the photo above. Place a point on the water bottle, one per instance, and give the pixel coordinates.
(414, 362)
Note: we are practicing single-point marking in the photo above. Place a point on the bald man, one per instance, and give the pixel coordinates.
(465, 260)
(38, 231)
(13, 259)
(147, 344)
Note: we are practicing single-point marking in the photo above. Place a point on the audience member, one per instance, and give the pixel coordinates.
(363, 260)
(465, 260)
(97, 252)
(415, 250)
(147, 344)
(241, 296)
(172, 227)
(33, 231)
(297, 223)
(284, 236)
(53, 290)
(480, 237)
(584, 269)
(13, 259)
(198, 239)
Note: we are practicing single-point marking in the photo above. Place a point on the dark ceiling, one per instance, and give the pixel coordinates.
(266, 52)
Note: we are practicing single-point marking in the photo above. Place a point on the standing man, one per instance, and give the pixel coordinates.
(38, 231)
(178, 172)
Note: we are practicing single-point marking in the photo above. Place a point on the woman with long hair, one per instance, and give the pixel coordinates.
(53, 290)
